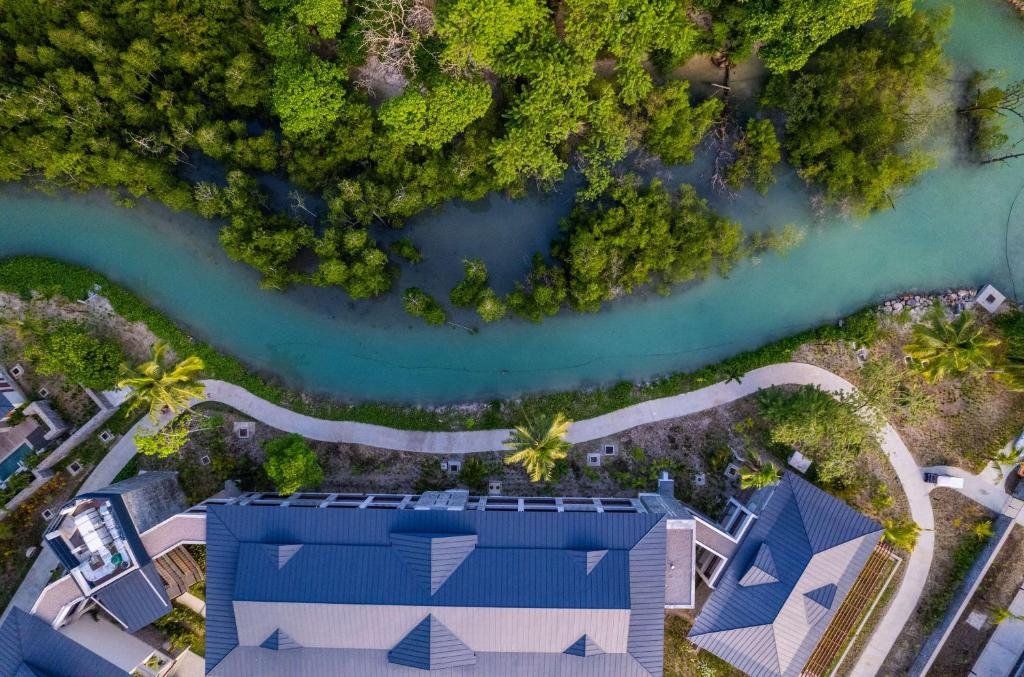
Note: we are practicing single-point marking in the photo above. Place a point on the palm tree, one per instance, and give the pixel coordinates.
(901, 533)
(160, 389)
(941, 348)
(766, 475)
(537, 447)
(983, 530)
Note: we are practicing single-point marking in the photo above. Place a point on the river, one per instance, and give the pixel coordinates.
(952, 229)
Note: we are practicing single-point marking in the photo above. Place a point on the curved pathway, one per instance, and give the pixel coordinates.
(787, 373)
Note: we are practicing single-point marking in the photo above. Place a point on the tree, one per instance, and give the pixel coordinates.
(490, 307)
(940, 348)
(538, 445)
(1002, 614)
(158, 389)
(419, 303)
(790, 31)
(756, 478)
(674, 127)
(983, 530)
(900, 533)
(884, 385)
(168, 441)
(308, 96)
(475, 473)
(757, 153)
(475, 33)
(830, 431)
(434, 118)
(642, 234)
(292, 464)
(71, 350)
(986, 111)
(469, 291)
(854, 113)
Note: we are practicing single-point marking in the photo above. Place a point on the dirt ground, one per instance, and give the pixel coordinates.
(973, 417)
(690, 448)
(955, 518)
(996, 591)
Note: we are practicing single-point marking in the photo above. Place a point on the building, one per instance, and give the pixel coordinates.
(11, 396)
(30, 646)
(459, 585)
(96, 536)
(785, 582)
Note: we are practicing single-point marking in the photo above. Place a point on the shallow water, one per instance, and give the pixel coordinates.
(949, 230)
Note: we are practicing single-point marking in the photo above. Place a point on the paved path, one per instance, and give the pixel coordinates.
(192, 602)
(976, 487)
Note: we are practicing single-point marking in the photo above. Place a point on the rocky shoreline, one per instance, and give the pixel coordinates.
(953, 299)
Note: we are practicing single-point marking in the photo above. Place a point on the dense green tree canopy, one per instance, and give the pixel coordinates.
(392, 107)
(643, 234)
(851, 112)
(74, 352)
(292, 464)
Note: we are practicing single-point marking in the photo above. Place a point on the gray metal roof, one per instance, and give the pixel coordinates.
(149, 498)
(137, 599)
(814, 547)
(29, 647)
(431, 646)
(395, 569)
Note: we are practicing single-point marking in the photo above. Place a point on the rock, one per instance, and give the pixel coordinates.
(897, 307)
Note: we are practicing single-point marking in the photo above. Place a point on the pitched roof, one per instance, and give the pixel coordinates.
(786, 581)
(29, 647)
(137, 599)
(379, 590)
(431, 646)
(583, 647)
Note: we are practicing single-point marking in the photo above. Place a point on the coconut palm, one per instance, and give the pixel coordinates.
(941, 348)
(538, 446)
(901, 533)
(766, 475)
(161, 389)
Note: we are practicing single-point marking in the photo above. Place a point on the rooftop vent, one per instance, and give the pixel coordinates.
(432, 558)
(431, 646)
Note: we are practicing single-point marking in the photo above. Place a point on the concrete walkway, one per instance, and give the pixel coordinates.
(192, 602)
(976, 487)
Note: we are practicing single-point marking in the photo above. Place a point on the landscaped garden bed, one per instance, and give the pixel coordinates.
(959, 539)
(992, 598)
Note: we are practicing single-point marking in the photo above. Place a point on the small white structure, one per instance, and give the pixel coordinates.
(609, 448)
(594, 459)
(700, 479)
(732, 471)
(944, 480)
(245, 430)
(976, 619)
(800, 462)
(494, 488)
(990, 298)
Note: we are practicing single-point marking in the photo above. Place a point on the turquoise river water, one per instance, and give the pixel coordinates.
(958, 226)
